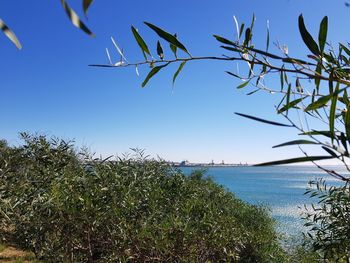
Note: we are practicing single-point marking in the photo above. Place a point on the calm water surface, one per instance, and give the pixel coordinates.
(279, 187)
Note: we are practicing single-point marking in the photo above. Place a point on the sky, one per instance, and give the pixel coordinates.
(48, 87)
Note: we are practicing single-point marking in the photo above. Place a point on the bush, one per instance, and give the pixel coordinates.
(329, 221)
(67, 206)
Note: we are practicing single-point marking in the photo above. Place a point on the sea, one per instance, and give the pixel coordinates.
(280, 188)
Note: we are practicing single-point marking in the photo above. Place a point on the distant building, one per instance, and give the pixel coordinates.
(184, 163)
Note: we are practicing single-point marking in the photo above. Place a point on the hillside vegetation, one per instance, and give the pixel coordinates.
(65, 206)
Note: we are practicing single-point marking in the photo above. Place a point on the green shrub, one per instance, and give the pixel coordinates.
(329, 221)
(67, 206)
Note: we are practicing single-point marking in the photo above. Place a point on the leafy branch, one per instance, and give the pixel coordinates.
(72, 15)
(325, 101)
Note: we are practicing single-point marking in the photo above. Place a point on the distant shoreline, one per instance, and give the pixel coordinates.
(211, 165)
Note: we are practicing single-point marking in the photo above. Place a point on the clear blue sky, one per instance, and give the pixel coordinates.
(48, 87)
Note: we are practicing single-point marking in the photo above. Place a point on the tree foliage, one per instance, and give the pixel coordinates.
(313, 93)
(329, 221)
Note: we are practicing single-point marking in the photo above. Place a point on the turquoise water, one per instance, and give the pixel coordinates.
(281, 188)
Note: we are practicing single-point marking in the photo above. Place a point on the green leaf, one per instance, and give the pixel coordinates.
(86, 5)
(347, 51)
(289, 105)
(330, 151)
(225, 41)
(319, 103)
(252, 23)
(160, 51)
(347, 122)
(288, 94)
(314, 132)
(248, 36)
(142, 44)
(173, 48)
(252, 92)
(9, 34)
(262, 120)
(322, 101)
(153, 71)
(254, 50)
(178, 71)
(243, 85)
(233, 74)
(168, 37)
(296, 142)
(319, 72)
(322, 34)
(241, 30)
(231, 48)
(74, 18)
(343, 141)
(332, 112)
(282, 79)
(297, 61)
(346, 98)
(296, 160)
(307, 38)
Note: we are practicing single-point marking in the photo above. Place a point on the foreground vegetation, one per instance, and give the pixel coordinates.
(66, 206)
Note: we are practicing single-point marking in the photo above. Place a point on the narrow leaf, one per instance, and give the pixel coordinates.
(262, 120)
(296, 160)
(118, 49)
(347, 51)
(168, 37)
(322, 101)
(332, 112)
(243, 85)
(330, 151)
(347, 122)
(346, 98)
(247, 38)
(254, 50)
(288, 94)
(74, 18)
(109, 57)
(174, 48)
(225, 41)
(319, 73)
(289, 105)
(307, 38)
(252, 92)
(296, 142)
(9, 34)
(314, 132)
(343, 141)
(86, 5)
(319, 103)
(233, 74)
(322, 34)
(237, 29)
(241, 30)
(282, 79)
(154, 71)
(178, 71)
(142, 44)
(160, 51)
